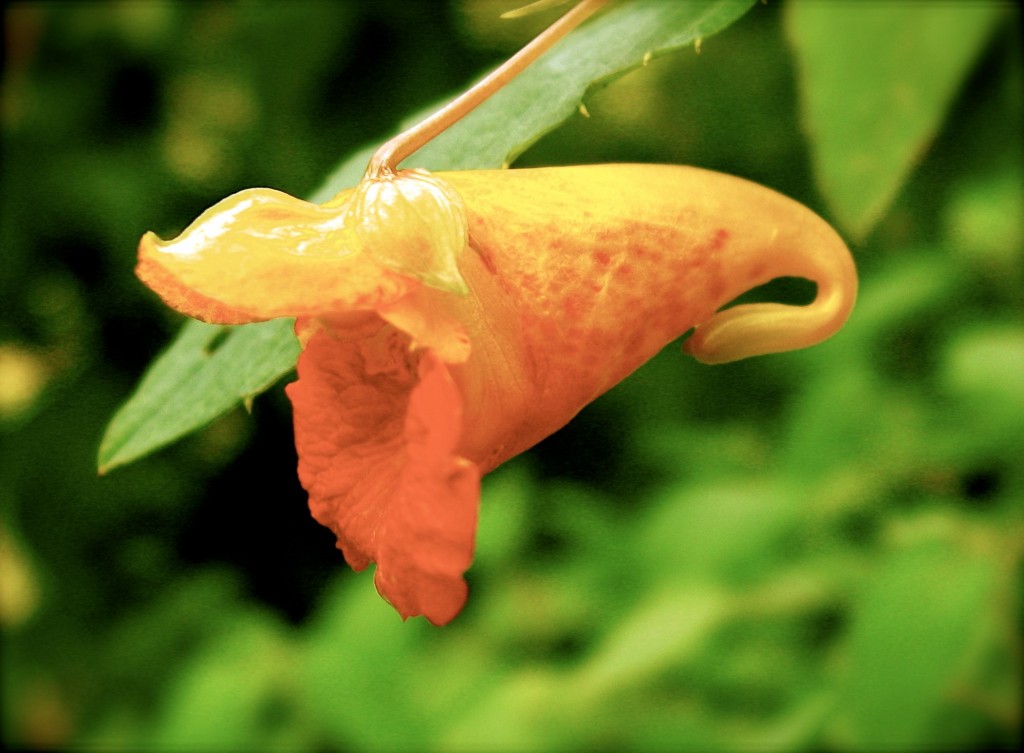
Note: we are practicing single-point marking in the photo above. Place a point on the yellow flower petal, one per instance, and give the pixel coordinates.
(261, 254)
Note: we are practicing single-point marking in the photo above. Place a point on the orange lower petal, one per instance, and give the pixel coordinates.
(376, 426)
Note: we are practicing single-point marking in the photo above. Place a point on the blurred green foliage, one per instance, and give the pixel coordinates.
(815, 550)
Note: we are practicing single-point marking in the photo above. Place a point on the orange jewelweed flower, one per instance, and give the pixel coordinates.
(451, 321)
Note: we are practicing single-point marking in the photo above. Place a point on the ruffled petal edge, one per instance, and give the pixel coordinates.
(376, 428)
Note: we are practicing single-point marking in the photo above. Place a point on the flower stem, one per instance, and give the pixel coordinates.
(387, 158)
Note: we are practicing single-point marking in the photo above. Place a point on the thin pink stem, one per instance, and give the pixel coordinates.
(387, 158)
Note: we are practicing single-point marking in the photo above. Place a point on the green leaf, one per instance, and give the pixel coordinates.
(551, 90)
(195, 381)
(186, 388)
(918, 621)
(235, 693)
(876, 80)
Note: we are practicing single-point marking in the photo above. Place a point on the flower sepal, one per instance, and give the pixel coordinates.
(413, 223)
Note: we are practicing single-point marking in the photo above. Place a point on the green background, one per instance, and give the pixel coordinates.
(814, 550)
